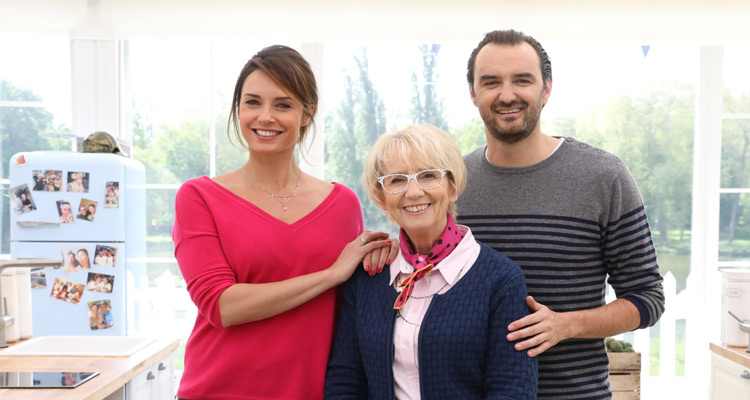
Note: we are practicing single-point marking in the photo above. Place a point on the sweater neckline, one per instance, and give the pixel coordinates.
(319, 209)
(562, 148)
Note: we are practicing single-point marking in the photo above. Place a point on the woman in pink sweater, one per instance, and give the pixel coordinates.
(262, 248)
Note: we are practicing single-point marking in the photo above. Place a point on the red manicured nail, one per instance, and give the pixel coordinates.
(388, 261)
(372, 272)
(367, 267)
(380, 269)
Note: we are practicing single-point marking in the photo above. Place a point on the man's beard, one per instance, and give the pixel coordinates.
(512, 134)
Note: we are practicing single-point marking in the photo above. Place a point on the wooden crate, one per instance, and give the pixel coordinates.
(625, 375)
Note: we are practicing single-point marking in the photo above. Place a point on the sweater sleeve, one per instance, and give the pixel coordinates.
(198, 251)
(630, 253)
(345, 377)
(510, 374)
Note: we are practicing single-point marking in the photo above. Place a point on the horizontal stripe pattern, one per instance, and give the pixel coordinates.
(573, 222)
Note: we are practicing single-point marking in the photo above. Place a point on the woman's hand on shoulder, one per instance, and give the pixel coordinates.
(375, 260)
(355, 251)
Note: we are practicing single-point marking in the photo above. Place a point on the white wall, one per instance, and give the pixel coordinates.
(696, 21)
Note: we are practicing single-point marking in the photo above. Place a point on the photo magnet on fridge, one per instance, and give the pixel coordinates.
(105, 256)
(65, 210)
(100, 314)
(101, 283)
(67, 291)
(38, 278)
(47, 180)
(78, 182)
(75, 259)
(87, 210)
(21, 201)
(112, 195)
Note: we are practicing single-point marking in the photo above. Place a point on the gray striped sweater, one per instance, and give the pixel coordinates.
(572, 222)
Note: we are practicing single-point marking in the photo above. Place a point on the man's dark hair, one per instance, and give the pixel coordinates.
(510, 38)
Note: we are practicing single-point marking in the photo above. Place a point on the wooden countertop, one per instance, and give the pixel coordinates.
(736, 354)
(114, 372)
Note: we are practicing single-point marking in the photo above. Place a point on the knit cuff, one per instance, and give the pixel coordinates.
(642, 310)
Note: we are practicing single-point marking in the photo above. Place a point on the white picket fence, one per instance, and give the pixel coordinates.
(665, 384)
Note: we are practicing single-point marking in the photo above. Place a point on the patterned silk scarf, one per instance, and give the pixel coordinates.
(424, 264)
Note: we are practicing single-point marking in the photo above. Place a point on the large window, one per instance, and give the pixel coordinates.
(35, 94)
(734, 212)
(635, 101)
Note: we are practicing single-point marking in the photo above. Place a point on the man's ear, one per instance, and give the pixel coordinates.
(547, 91)
(473, 95)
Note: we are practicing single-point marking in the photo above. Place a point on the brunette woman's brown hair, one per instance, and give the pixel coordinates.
(291, 72)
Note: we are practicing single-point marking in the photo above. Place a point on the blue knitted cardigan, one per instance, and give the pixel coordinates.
(463, 352)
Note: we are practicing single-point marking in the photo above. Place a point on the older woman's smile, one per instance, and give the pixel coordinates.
(416, 209)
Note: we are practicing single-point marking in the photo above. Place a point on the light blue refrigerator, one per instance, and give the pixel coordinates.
(88, 209)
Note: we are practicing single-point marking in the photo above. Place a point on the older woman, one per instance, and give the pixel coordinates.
(434, 326)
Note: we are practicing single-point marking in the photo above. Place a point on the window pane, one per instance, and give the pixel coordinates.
(735, 151)
(42, 75)
(367, 94)
(170, 97)
(173, 151)
(164, 308)
(736, 79)
(159, 217)
(169, 75)
(734, 227)
(734, 214)
(34, 99)
(229, 154)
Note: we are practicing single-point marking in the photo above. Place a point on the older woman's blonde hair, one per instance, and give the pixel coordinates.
(418, 147)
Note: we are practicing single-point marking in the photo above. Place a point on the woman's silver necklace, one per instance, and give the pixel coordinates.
(282, 199)
(398, 281)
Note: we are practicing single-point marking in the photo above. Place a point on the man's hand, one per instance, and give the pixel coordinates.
(375, 260)
(542, 329)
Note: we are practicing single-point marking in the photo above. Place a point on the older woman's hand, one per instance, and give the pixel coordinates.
(375, 260)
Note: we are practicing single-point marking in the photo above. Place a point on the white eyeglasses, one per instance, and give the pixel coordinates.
(427, 180)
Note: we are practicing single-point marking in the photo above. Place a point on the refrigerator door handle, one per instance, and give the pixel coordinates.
(36, 223)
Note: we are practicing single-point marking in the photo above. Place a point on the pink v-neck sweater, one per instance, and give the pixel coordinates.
(220, 240)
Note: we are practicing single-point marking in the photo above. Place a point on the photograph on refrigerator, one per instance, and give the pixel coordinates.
(87, 209)
(65, 210)
(101, 283)
(112, 195)
(100, 314)
(105, 256)
(38, 278)
(47, 180)
(103, 243)
(75, 258)
(67, 291)
(21, 200)
(78, 182)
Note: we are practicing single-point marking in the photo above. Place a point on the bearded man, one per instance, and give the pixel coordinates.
(568, 213)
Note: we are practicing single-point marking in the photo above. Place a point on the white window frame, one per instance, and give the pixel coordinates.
(96, 87)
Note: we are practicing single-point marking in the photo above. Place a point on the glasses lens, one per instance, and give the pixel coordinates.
(430, 179)
(395, 183)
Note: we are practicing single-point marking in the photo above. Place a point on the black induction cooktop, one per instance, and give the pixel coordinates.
(44, 380)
